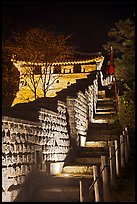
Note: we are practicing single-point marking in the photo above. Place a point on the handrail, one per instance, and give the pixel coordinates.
(108, 162)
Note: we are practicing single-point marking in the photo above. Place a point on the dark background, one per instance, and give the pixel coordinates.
(88, 22)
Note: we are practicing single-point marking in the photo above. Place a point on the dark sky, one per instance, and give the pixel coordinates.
(89, 22)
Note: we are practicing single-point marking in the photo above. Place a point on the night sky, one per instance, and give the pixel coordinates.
(88, 22)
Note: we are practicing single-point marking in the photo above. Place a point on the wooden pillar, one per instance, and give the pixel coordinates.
(127, 136)
(71, 70)
(112, 166)
(97, 183)
(106, 185)
(81, 191)
(127, 150)
(125, 146)
(117, 156)
(122, 150)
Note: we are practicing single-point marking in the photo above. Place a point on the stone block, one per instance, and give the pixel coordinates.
(6, 196)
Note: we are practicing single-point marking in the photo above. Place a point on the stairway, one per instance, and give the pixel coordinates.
(65, 187)
(58, 188)
(103, 130)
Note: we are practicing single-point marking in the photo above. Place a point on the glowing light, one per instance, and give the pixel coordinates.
(66, 175)
(56, 168)
(82, 141)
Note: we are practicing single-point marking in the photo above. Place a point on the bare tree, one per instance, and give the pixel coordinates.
(10, 78)
(38, 45)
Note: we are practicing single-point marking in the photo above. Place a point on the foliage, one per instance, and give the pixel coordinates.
(126, 107)
(38, 45)
(123, 42)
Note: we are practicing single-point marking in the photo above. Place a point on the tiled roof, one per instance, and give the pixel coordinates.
(77, 58)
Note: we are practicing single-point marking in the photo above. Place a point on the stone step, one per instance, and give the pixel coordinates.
(102, 131)
(105, 112)
(105, 118)
(78, 169)
(61, 180)
(88, 161)
(106, 100)
(63, 193)
(103, 126)
(96, 144)
(90, 151)
(102, 137)
(93, 149)
(93, 154)
(105, 106)
(60, 194)
(102, 94)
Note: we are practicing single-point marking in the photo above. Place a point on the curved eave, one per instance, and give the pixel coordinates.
(86, 61)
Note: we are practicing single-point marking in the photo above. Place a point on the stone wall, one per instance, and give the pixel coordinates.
(29, 147)
(81, 110)
(57, 143)
(81, 115)
(20, 140)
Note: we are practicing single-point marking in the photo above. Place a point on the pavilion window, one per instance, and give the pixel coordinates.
(77, 68)
(57, 69)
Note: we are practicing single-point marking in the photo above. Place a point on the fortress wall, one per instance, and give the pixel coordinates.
(20, 140)
(32, 148)
(81, 110)
(27, 148)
